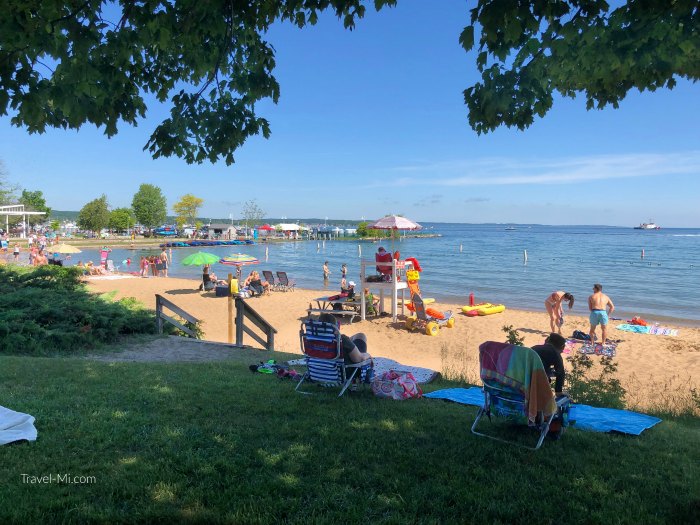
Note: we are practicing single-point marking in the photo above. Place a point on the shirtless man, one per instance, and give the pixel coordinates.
(601, 307)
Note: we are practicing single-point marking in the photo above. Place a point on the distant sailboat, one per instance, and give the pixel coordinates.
(510, 228)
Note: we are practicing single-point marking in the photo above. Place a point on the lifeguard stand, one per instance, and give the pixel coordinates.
(394, 286)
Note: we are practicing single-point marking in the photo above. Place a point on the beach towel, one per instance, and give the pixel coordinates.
(582, 417)
(633, 328)
(521, 369)
(465, 396)
(595, 419)
(662, 330)
(382, 364)
(652, 330)
(15, 426)
(608, 349)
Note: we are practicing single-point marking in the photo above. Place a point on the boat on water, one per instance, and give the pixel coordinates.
(648, 226)
(510, 228)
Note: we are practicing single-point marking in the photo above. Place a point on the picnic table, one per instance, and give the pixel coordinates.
(348, 307)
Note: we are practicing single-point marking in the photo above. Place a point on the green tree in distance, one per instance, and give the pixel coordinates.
(34, 201)
(149, 206)
(121, 219)
(186, 209)
(55, 225)
(65, 64)
(252, 213)
(94, 215)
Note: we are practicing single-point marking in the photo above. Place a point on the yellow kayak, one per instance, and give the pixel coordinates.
(493, 309)
(483, 309)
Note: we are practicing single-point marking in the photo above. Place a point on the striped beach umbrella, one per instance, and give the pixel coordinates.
(238, 260)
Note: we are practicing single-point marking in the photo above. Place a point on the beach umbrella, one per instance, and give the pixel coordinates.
(64, 248)
(394, 223)
(238, 260)
(200, 259)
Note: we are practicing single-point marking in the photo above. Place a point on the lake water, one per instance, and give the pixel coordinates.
(664, 285)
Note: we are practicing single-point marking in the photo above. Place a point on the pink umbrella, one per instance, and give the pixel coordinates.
(394, 222)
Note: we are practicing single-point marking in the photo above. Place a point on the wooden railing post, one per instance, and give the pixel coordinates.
(240, 306)
(159, 312)
(230, 310)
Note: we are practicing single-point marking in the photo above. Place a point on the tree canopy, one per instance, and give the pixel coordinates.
(122, 219)
(94, 215)
(149, 205)
(186, 209)
(65, 64)
(34, 201)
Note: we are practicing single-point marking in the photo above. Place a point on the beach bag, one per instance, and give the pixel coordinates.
(578, 334)
(396, 385)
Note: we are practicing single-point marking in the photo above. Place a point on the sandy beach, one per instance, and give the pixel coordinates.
(650, 367)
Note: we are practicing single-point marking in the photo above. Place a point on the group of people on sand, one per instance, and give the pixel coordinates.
(156, 265)
(599, 305)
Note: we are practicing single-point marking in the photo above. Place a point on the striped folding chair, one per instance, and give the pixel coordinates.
(321, 344)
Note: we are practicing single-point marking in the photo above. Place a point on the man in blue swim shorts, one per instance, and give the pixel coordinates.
(601, 307)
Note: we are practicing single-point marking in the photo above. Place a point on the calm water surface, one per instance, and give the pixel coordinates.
(664, 285)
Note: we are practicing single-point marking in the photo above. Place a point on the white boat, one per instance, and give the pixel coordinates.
(510, 228)
(648, 226)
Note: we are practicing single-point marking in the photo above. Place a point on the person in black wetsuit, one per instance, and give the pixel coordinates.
(550, 354)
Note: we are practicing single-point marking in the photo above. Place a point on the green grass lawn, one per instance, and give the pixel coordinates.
(213, 442)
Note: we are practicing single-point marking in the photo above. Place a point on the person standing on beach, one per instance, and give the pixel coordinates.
(601, 307)
(326, 271)
(553, 306)
(16, 252)
(104, 253)
(164, 262)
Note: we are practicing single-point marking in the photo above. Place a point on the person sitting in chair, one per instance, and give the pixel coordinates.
(550, 354)
(383, 256)
(354, 347)
(349, 289)
(254, 282)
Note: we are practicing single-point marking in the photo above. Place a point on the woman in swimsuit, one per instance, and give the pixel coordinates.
(554, 309)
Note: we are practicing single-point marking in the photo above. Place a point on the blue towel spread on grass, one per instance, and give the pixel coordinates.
(596, 419)
(582, 417)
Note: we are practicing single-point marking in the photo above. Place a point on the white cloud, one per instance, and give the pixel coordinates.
(507, 171)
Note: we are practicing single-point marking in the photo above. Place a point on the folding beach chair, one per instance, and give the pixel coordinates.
(267, 274)
(284, 282)
(516, 387)
(322, 346)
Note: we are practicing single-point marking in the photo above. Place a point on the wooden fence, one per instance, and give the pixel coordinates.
(161, 317)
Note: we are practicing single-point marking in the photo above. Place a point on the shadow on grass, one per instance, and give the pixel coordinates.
(213, 442)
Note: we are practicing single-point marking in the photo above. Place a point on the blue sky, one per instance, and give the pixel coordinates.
(373, 121)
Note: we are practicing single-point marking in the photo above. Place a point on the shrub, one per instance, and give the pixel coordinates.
(513, 336)
(47, 309)
(603, 389)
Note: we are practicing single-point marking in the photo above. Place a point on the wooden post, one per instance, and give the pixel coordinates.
(230, 310)
(240, 305)
(159, 311)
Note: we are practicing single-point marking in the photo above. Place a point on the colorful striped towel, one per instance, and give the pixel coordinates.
(653, 330)
(521, 369)
(662, 330)
(607, 350)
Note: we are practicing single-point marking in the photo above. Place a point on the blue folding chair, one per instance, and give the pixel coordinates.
(513, 378)
(322, 346)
